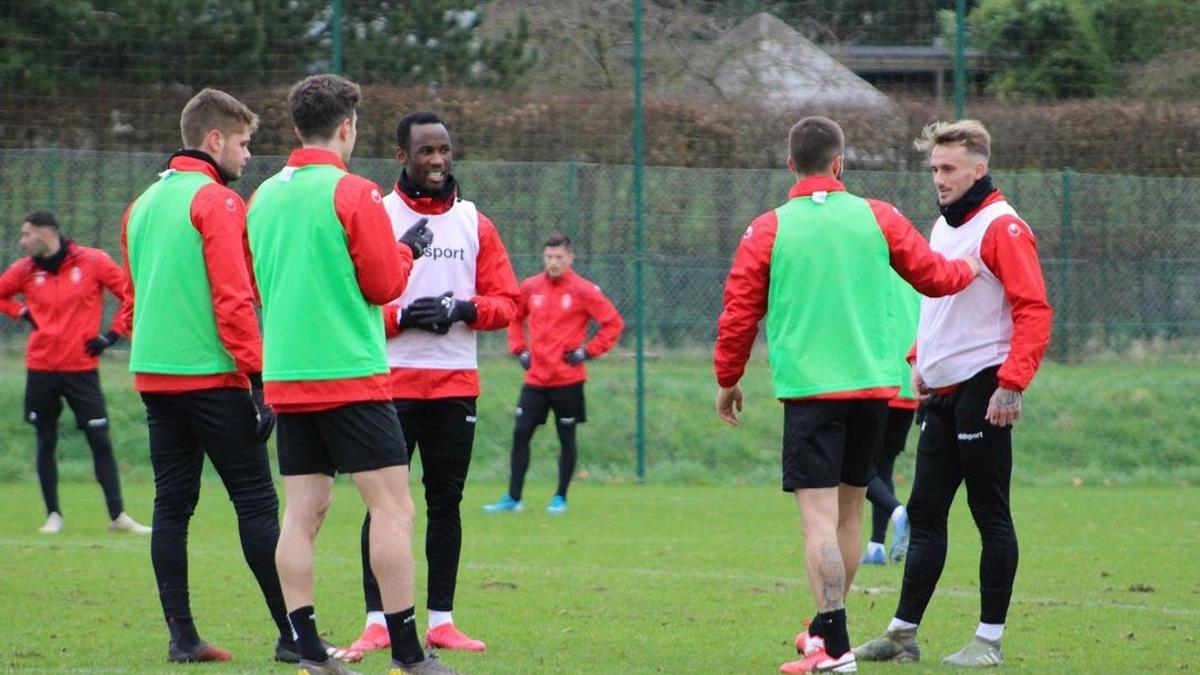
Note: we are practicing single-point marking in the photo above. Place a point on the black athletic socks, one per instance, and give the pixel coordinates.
(183, 633)
(402, 629)
(832, 627)
(304, 623)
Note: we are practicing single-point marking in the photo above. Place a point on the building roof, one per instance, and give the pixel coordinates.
(764, 58)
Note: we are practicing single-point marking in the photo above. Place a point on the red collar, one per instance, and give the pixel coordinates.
(195, 165)
(429, 206)
(309, 156)
(806, 186)
(987, 201)
(560, 279)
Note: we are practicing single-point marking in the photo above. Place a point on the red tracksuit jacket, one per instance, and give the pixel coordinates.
(219, 215)
(66, 306)
(749, 281)
(557, 311)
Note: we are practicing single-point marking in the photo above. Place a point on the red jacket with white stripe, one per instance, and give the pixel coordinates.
(226, 260)
(66, 306)
(557, 310)
(1004, 318)
(470, 256)
(749, 281)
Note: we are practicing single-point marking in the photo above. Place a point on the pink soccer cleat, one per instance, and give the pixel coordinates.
(819, 661)
(446, 636)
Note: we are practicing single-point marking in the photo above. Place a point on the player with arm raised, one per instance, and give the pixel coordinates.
(819, 270)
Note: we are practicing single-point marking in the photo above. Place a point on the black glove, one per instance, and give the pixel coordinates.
(405, 318)
(423, 314)
(26, 315)
(96, 345)
(525, 359)
(263, 413)
(418, 237)
(443, 309)
(575, 356)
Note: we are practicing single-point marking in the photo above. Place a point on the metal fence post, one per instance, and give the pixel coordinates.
(1064, 255)
(572, 200)
(335, 38)
(960, 58)
(639, 240)
(52, 178)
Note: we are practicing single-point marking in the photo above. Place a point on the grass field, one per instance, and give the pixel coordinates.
(1118, 421)
(634, 579)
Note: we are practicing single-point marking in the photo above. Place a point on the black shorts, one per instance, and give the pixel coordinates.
(354, 437)
(826, 443)
(44, 392)
(535, 403)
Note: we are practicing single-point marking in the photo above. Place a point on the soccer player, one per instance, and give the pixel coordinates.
(62, 285)
(325, 260)
(881, 491)
(557, 304)
(197, 359)
(976, 352)
(819, 269)
(463, 285)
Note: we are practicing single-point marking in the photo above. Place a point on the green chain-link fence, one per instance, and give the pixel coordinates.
(1121, 253)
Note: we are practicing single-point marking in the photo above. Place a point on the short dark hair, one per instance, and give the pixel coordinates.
(319, 103)
(558, 239)
(41, 219)
(404, 128)
(813, 143)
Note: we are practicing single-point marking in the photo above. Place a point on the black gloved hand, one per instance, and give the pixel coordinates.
(525, 359)
(418, 237)
(575, 356)
(26, 315)
(405, 318)
(96, 345)
(443, 309)
(264, 414)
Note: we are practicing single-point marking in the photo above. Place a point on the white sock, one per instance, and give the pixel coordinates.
(437, 618)
(376, 618)
(897, 512)
(873, 546)
(991, 632)
(898, 624)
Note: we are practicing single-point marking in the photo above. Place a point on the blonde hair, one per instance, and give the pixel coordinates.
(214, 109)
(970, 134)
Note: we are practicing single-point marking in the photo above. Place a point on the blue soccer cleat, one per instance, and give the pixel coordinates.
(558, 505)
(900, 543)
(873, 556)
(505, 504)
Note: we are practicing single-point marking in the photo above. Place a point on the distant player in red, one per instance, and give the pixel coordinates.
(557, 306)
(63, 287)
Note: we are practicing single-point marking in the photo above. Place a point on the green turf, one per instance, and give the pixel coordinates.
(634, 579)
(1106, 422)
